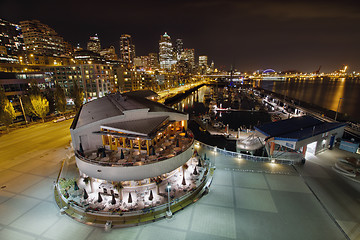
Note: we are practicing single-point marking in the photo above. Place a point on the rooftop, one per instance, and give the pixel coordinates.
(113, 105)
(297, 128)
(142, 127)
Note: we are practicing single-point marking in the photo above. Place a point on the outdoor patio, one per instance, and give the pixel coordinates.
(107, 197)
(164, 147)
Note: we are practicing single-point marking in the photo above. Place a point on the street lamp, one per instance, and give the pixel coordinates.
(23, 111)
(215, 149)
(337, 110)
(168, 212)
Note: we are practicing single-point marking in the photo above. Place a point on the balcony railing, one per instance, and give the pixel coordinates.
(165, 149)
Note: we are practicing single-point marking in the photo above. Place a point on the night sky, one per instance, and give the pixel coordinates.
(283, 35)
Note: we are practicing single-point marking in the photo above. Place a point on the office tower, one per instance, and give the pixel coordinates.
(189, 56)
(179, 48)
(127, 49)
(153, 61)
(41, 39)
(94, 44)
(203, 60)
(203, 64)
(109, 53)
(166, 54)
(11, 39)
(142, 61)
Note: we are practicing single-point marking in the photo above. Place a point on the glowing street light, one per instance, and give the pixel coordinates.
(168, 212)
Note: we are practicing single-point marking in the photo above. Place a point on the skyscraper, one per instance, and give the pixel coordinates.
(189, 56)
(179, 48)
(203, 64)
(127, 49)
(203, 60)
(94, 44)
(11, 38)
(153, 60)
(41, 39)
(166, 54)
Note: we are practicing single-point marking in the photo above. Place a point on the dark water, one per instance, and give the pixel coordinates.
(195, 104)
(324, 92)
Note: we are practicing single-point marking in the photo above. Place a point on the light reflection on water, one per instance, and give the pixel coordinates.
(324, 92)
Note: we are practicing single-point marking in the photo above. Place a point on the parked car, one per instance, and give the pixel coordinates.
(59, 119)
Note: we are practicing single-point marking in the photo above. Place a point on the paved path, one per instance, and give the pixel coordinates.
(246, 201)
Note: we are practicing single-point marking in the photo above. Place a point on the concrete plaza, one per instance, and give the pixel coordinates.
(246, 201)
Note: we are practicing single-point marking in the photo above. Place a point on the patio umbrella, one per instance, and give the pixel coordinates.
(86, 196)
(195, 171)
(99, 198)
(113, 201)
(199, 163)
(122, 154)
(129, 199)
(151, 197)
(76, 187)
(183, 181)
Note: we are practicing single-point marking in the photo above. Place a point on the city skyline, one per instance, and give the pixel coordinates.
(249, 35)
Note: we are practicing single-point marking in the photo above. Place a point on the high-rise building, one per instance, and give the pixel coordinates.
(11, 39)
(153, 61)
(142, 61)
(203, 60)
(127, 49)
(96, 80)
(166, 54)
(212, 67)
(94, 44)
(179, 48)
(189, 56)
(41, 39)
(203, 64)
(109, 53)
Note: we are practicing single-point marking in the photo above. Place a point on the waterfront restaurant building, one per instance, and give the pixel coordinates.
(130, 139)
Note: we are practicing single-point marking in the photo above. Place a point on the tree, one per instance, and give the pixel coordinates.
(60, 99)
(28, 108)
(33, 90)
(49, 94)
(40, 106)
(77, 95)
(7, 112)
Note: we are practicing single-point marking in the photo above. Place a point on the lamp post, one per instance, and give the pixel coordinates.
(23, 111)
(215, 150)
(337, 110)
(168, 212)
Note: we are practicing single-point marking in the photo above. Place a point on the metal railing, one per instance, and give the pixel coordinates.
(245, 156)
(148, 161)
(80, 208)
